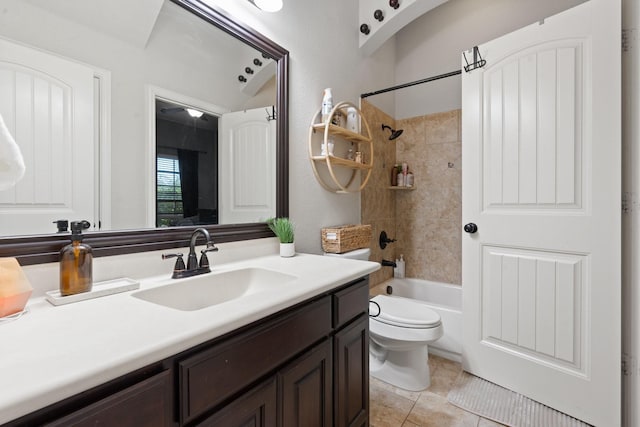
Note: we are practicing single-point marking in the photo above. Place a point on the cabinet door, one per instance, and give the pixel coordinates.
(306, 390)
(147, 403)
(256, 408)
(351, 346)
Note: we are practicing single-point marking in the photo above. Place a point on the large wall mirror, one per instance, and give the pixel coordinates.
(149, 118)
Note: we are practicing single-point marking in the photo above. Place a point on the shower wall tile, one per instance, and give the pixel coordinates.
(433, 252)
(378, 203)
(425, 221)
(428, 218)
(442, 127)
(412, 137)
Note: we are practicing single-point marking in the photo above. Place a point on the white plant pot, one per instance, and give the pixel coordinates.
(287, 249)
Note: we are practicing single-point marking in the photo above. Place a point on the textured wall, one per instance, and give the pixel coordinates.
(378, 203)
(428, 219)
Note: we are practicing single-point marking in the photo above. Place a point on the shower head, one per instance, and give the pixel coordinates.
(394, 133)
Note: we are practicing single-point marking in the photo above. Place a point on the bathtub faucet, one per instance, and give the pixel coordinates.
(387, 263)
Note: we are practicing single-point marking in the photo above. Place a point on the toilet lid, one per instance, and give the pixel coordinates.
(405, 312)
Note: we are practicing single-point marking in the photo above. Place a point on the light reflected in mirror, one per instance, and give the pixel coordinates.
(118, 50)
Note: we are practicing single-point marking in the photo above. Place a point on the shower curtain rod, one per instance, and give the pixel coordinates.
(478, 62)
(417, 82)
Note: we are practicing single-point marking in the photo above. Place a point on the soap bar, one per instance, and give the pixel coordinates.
(15, 288)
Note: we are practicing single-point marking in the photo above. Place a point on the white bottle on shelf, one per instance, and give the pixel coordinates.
(352, 120)
(327, 104)
(408, 181)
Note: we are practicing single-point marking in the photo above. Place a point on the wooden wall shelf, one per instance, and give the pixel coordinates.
(321, 133)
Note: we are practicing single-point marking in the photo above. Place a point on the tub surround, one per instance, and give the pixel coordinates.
(378, 205)
(426, 221)
(429, 218)
(58, 352)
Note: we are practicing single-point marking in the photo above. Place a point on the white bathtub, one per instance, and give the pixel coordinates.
(442, 298)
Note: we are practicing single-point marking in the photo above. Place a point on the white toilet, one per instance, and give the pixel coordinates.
(399, 335)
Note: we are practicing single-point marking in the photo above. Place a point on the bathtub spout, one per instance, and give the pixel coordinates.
(387, 263)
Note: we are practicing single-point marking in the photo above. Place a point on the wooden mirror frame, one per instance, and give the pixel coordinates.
(38, 249)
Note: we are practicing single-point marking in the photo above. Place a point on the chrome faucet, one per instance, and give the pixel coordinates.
(193, 267)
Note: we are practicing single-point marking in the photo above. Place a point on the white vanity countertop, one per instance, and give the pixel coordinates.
(52, 353)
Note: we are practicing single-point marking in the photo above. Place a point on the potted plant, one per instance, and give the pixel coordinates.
(283, 228)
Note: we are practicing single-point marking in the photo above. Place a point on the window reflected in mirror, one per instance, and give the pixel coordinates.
(186, 166)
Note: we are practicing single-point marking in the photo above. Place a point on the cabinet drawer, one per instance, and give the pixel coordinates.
(147, 403)
(211, 376)
(350, 302)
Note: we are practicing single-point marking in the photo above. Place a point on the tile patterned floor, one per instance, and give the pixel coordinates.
(394, 407)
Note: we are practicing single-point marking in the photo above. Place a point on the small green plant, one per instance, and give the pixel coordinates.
(283, 228)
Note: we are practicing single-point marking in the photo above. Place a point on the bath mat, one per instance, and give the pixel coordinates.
(504, 406)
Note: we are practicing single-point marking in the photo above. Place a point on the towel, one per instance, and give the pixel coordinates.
(11, 161)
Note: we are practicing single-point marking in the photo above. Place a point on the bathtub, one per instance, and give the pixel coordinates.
(442, 298)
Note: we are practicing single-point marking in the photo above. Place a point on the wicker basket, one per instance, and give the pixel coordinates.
(345, 238)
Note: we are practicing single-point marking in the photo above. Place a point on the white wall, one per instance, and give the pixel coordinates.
(322, 38)
(432, 45)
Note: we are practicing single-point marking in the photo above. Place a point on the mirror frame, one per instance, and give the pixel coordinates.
(38, 249)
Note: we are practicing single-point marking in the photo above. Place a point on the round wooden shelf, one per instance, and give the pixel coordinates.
(332, 162)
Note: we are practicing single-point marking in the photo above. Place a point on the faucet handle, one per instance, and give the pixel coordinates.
(179, 262)
(204, 261)
(210, 248)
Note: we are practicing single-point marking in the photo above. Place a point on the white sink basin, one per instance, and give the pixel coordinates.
(198, 292)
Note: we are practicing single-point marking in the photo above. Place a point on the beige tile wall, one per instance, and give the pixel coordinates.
(425, 221)
(428, 219)
(378, 203)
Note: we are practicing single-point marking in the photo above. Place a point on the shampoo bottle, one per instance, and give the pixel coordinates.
(327, 104)
(76, 259)
(400, 266)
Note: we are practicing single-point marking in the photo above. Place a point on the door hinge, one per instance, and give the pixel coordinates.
(629, 365)
(628, 36)
(629, 202)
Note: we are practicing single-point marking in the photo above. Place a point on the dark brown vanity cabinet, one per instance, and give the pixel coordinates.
(304, 366)
(147, 403)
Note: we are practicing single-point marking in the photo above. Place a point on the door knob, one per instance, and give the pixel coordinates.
(470, 228)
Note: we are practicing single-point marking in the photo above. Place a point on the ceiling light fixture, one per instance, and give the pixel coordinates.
(196, 114)
(267, 5)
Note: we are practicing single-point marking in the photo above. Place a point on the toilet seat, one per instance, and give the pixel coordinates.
(405, 313)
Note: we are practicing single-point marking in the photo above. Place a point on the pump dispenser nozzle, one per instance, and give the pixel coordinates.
(77, 227)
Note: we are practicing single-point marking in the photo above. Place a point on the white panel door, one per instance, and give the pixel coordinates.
(541, 179)
(247, 175)
(47, 104)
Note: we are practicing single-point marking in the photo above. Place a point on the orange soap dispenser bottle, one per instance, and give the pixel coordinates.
(76, 259)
